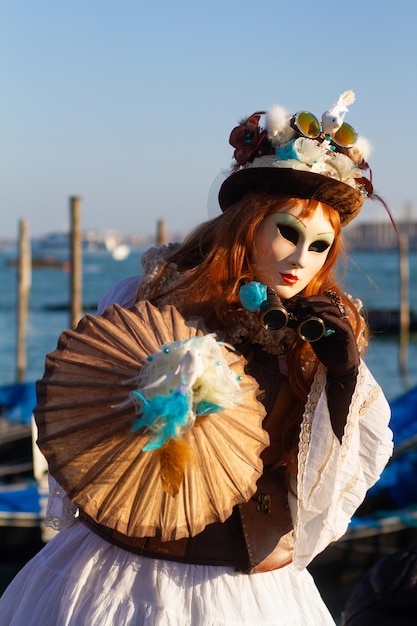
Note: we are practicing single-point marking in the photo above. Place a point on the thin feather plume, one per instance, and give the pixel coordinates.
(348, 97)
(375, 196)
(174, 455)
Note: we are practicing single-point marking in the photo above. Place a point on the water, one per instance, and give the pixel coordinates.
(373, 277)
(51, 288)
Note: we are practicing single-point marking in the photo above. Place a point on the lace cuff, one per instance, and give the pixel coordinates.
(60, 511)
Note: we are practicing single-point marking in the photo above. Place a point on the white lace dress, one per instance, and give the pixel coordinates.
(80, 579)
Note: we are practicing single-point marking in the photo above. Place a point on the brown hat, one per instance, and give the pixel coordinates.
(296, 155)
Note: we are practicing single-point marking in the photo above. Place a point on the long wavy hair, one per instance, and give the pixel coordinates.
(217, 257)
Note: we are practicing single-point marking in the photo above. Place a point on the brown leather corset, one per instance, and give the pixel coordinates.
(257, 537)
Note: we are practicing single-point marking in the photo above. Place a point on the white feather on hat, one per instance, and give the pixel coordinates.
(278, 125)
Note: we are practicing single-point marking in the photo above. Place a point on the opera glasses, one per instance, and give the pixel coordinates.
(274, 315)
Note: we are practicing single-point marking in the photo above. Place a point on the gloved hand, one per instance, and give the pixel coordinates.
(337, 351)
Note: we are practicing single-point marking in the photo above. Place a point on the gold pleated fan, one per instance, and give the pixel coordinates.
(85, 418)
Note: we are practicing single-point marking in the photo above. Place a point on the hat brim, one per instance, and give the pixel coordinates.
(294, 183)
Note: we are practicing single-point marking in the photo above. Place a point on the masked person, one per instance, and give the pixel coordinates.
(224, 546)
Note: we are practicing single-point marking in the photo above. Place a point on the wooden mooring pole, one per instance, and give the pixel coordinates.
(76, 262)
(24, 279)
(404, 303)
(161, 237)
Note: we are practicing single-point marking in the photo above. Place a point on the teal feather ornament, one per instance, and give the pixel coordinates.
(164, 416)
(206, 408)
(182, 381)
(252, 295)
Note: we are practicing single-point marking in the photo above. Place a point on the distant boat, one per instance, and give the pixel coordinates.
(48, 262)
(23, 474)
(57, 245)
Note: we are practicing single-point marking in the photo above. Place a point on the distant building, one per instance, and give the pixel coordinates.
(379, 235)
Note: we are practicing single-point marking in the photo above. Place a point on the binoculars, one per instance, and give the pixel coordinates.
(275, 316)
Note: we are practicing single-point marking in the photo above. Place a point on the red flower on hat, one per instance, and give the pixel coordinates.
(248, 139)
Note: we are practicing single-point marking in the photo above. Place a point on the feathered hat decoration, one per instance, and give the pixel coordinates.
(299, 155)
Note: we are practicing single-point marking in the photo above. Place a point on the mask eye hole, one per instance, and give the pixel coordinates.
(288, 233)
(319, 246)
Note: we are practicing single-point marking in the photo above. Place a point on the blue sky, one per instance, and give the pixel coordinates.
(129, 104)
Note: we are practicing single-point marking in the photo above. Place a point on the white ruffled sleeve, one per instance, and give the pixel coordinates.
(123, 293)
(333, 477)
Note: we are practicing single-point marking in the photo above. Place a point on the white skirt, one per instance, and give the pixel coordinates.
(79, 579)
